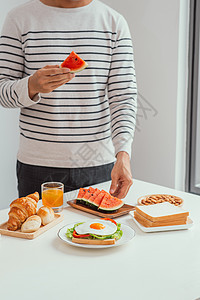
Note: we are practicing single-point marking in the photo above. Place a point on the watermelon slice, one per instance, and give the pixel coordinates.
(110, 203)
(74, 63)
(96, 199)
(93, 196)
(80, 196)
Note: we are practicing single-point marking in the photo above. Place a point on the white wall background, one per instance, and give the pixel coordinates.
(159, 30)
(197, 158)
(154, 26)
(9, 134)
(155, 32)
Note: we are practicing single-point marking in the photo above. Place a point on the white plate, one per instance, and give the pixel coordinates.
(128, 234)
(162, 228)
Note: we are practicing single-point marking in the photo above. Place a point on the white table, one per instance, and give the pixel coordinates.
(153, 266)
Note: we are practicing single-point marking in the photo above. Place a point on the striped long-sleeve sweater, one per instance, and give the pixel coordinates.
(87, 121)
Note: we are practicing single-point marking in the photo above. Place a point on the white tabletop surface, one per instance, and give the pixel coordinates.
(153, 266)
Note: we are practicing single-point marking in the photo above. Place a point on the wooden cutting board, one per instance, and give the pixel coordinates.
(125, 209)
(3, 229)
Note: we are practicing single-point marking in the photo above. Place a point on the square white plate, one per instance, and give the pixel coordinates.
(162, 228)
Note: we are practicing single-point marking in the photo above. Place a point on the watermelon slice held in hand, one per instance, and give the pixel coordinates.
(74, 63)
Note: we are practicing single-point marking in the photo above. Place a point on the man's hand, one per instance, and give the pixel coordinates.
(121, 176)
(47, 79)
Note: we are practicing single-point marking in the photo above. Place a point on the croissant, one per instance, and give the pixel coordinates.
(21, 209)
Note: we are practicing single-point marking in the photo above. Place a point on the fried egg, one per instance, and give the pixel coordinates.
(96, 226)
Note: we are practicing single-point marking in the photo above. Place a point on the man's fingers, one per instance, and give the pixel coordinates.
(59, 83)
(58, 78)
(113, 186)
(51, 66)
(54, 70)
(116, 192)
(123, 190)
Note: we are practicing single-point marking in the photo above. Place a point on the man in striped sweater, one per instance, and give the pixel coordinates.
(74, 129)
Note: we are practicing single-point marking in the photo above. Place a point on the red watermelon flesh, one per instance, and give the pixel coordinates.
(110, 203)
(81, 193)
(94, 195)
(74, 63)
(88, 193)
(97, 198)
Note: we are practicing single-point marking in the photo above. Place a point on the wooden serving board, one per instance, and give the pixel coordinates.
(42, 229)
(125, 209)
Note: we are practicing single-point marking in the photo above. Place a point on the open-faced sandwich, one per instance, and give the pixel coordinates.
(95, 232)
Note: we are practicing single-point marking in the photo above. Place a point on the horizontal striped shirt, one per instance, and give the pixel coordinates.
(88, 120)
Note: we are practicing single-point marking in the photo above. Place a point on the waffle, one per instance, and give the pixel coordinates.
(159, 198)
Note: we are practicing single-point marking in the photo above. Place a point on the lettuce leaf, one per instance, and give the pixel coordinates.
(118, 234)
(69, 233)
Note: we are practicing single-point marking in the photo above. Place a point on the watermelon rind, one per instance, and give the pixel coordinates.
(81, 201)
(106, 211)
(92, 204)
(110, 209)
(86, 203)
(80, 69)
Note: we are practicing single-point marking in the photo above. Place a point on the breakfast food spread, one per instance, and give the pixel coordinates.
(46, 214)
(160, 198)
(74, 63)
(25, 218)
(161, 214)
(32, 224)
(21, 209)
(95, 232)
(98, 200)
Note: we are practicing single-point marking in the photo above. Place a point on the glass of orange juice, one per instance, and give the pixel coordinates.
(52, 195)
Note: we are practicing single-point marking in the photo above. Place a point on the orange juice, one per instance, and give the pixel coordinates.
(52, 197)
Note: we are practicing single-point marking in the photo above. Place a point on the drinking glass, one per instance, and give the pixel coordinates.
(52, 195)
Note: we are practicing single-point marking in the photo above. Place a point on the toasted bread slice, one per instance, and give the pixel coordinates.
(147, 223)
(93, 242)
